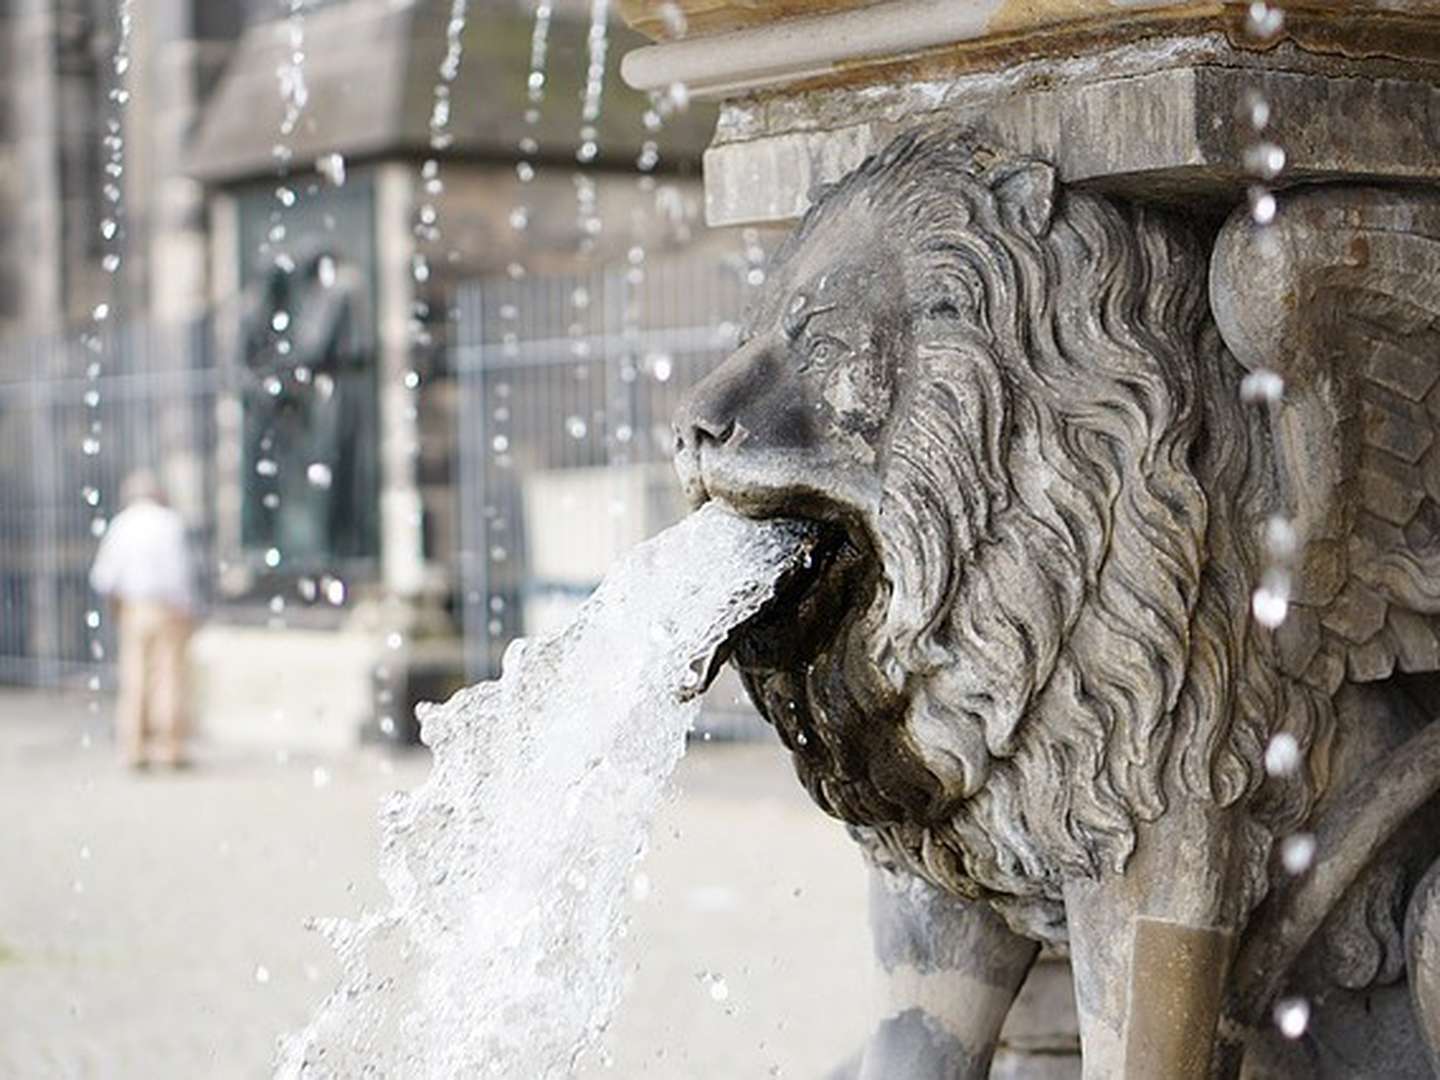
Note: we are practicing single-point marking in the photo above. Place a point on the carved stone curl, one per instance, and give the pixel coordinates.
(1025, 670)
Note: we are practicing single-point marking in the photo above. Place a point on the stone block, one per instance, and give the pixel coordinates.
(1145, 123)
(1357, 614)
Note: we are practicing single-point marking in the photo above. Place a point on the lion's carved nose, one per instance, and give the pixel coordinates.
(708, 413)
(692, 429)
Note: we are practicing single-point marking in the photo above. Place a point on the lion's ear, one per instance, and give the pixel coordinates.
(1025, 191)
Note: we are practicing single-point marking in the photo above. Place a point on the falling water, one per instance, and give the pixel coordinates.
(94, 341)
(507, 869)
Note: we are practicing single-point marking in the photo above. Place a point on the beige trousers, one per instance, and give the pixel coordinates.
(151, 704)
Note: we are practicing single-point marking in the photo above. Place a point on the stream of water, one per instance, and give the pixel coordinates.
(509, 867)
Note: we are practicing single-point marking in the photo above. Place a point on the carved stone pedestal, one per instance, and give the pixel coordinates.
(1106, 347)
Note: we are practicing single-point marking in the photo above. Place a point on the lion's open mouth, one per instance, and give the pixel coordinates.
(810, 605)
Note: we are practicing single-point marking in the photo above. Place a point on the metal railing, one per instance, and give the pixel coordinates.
(563, 389)
(68, 436)
(567, 386)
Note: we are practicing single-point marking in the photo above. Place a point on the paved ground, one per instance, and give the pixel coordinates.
(152, 926)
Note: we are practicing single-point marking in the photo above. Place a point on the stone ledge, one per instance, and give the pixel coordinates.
(1168, 135)
(789, 43)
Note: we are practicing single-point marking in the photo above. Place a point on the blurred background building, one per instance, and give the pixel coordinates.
(400, 326)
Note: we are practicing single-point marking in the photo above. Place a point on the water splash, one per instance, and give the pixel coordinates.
(509, 867)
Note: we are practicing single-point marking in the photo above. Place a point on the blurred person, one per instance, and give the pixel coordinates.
(143, 567)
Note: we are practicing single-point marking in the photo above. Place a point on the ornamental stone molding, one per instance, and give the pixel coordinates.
(1081, 416)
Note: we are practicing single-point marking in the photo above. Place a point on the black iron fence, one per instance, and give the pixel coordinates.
(561, 391)
(76, 415)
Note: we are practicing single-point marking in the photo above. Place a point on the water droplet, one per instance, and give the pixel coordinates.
(305, 586)
(1262, 386)
(280, 321)
(90, 446)
(91, 495)
(1262, 206)
(110, 263)
(672, 17)
(325, 270)
(320, 777)
(1281, 540)
(1265, 160)
(394, 639)
(500, 444)
(387, 725)
(576, 426)
(1292, 1016)
(332, 167)
(1254, 110)
(285, 196)
(92, 619)
(318, 474)
(661, 366)
(277, 604)
(262, 974)
(1270, 606)
(519, 218)
(1297, 852)
(525, 172)
(97, 527)
(272, 557)
(719, 988)
(334, 590)
(1264, 21)
(678, 95)
(412, 379)
(101, 312)
(1282, 755)
(267, 467)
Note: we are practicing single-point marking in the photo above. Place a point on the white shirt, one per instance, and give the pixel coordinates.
(144, 556)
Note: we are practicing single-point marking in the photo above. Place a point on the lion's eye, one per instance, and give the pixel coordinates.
(823, 351)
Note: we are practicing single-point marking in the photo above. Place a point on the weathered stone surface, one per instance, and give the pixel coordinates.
(1391, 492)
(941, 373)
(1410, 370)
(965, 607)
(1422, 947)
(1373, 660)
(1298, 639)
(1357, 614)
(1398, 427)
(1156, 121)
(1417, 642)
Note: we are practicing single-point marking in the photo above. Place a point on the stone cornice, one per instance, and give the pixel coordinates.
(838, 42)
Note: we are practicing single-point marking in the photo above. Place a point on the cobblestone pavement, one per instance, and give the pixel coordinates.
(151, 925)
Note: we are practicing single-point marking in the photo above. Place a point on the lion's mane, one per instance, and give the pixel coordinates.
(1068, 535)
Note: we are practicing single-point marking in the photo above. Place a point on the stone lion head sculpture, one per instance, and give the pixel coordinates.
(1028, 631)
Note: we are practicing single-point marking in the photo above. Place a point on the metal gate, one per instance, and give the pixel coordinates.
(68, 436)
(566, 389)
